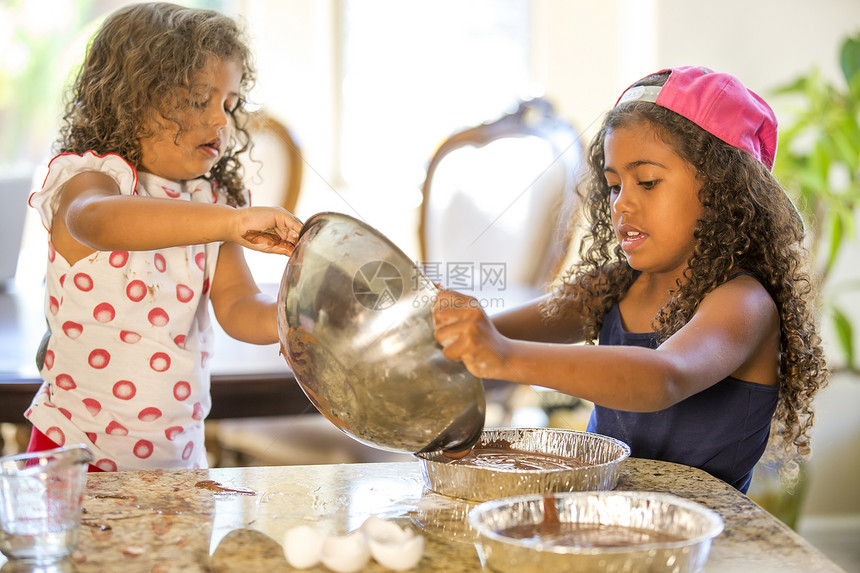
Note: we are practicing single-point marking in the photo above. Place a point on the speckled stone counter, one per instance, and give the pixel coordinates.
(234, 519)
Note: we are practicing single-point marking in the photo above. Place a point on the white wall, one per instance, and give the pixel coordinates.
(588, 52)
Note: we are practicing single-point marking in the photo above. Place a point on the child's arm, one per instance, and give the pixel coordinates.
(240, 308)
(527, 322)
(735, 331)
(93, 215)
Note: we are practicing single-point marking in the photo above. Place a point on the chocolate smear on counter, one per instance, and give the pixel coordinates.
(216, 487)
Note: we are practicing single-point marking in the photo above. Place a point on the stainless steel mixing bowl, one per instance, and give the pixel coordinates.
(355, 323)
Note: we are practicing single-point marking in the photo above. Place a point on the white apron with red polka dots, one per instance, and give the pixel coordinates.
(126, 370)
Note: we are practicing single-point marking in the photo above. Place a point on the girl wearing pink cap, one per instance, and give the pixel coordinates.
(692, 280)
(145, 230)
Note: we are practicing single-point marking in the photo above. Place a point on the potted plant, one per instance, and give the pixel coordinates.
(818, 162)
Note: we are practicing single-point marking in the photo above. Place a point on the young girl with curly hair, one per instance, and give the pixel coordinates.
(142, 206)
(692, 278)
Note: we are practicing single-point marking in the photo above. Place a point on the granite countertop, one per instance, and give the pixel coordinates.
(234, 519)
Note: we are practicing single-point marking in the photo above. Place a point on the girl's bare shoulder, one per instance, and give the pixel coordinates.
(743, 300)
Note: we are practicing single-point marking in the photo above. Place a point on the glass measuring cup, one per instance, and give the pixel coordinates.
(40, 502)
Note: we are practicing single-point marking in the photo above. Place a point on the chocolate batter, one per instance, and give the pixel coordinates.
(506, 458)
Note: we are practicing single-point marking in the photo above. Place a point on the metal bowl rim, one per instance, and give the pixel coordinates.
(715, 521)
(625, 452)
(311, 221)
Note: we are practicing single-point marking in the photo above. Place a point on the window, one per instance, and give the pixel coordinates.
(412, 73)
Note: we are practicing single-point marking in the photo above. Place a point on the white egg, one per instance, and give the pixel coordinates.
(391, 546)
(302, 546)
(345, 554)
(382, 530)
(400, 555)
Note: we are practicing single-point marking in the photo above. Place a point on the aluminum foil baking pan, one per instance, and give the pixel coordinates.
(602, 454)
(692, 525)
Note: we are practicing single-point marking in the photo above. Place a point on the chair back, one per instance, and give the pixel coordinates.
(273, 172)
(273, 175)
(497, 202)
(15, 188)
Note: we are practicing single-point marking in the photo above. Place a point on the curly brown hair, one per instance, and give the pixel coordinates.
(748, 223)
(141, 57)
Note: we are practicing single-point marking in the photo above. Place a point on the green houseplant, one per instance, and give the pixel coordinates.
(818, 162)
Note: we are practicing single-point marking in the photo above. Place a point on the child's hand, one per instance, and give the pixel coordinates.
(467, 335)
(267, 229)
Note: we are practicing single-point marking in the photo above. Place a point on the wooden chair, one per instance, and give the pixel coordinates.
(273, 172)
(497, 200)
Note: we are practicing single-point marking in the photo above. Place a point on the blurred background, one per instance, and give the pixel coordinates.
(369, 89)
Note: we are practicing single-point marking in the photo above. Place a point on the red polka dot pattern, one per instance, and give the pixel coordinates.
(92, 405)
(104, 312)
(200, 259)
(56, 435)
(129, 337)
(159, 362)
(109, 315)
(124, 390)
(116, 429)
(171, 192)
(99, 358)
(158, 317)
(160, 263)
(72, 329)
(181, 390)
(136, 290)
(118, 259)
(149, 414)
(65, 382)
(143, 449)
(184, 293)
(84, 282)
(171, 432)
(106, 465)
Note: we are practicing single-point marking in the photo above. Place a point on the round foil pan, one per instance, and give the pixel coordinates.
(693, 526)
(602, 455)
